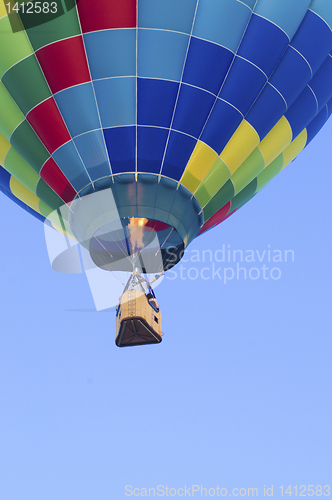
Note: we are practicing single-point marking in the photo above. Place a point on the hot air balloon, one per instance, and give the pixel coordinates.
(155, 120)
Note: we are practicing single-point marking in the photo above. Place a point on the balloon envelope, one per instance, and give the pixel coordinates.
(183, 110)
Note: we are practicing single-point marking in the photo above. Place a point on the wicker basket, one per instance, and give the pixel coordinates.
(137, 323)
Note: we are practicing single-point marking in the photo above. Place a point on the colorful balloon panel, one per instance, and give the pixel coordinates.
(214, 97)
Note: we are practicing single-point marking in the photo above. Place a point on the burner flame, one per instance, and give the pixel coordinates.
(136, 230)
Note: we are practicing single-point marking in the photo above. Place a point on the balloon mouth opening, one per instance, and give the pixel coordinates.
(149, 244)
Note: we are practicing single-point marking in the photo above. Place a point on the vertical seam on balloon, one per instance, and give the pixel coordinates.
(314, 97)
(57, 93)
(93, 90)
(10, 96)
(291, 46)
(50, 156)
(99, 178)
(26, 174)
(59, 196)
(268, 80)
(52, 96)
(229, 68)
(178, 92)
(59, 40)
(56, 104)
(78, 154)
(230, 179)
(36, 105)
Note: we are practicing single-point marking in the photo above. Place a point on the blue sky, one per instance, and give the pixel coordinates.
(238, 394)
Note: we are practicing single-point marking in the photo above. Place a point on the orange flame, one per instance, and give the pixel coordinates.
(136, 229)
